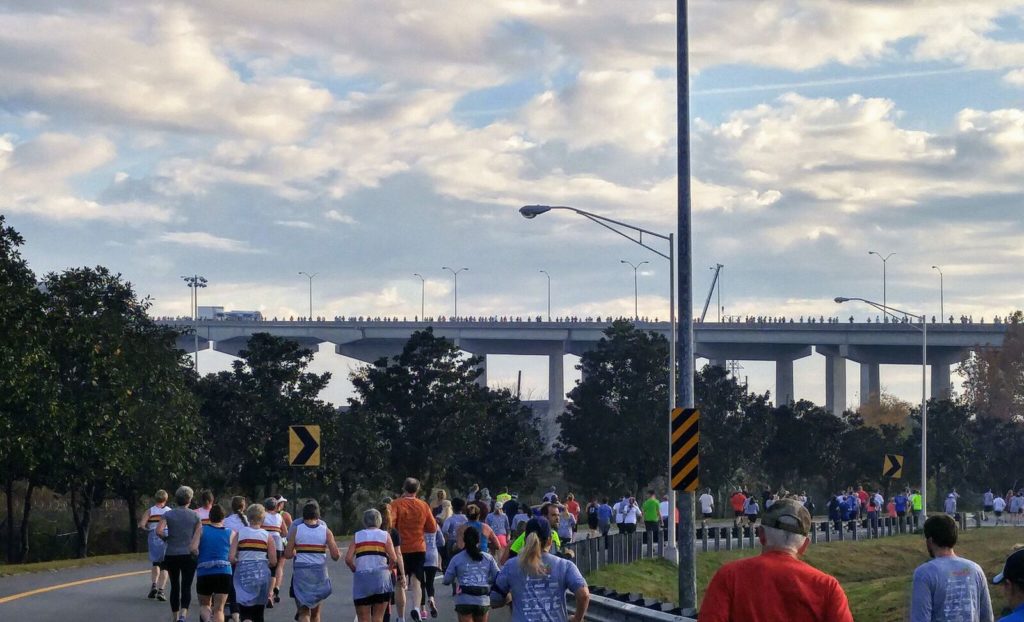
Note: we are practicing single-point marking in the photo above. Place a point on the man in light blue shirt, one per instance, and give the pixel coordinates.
(948, 588)
(1012, 580)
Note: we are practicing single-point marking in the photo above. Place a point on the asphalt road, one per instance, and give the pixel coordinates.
(100, 594)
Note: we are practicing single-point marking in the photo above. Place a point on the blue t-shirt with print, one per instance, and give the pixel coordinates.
(540, 599)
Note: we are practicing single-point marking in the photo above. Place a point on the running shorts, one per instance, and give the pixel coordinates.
(210, 584)
(413, 563)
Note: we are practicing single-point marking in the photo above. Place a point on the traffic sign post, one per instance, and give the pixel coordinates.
(304, 445)
(685, 449)
(892, 466)
(303, 451)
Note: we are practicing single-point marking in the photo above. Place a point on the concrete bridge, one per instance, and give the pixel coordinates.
(869, 344)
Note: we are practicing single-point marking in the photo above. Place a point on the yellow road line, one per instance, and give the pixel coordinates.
(61, 586)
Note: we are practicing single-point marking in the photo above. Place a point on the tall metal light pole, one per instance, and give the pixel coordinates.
(924, 391)
(636, 314)
(194, 282)
(310, 277)
(423, 294)
(549, 293)
(455, 273)
(718, 288)
(687, 543)
(942, 303)
(532, 211)
(885, 260)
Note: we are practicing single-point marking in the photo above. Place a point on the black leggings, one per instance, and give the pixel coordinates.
(181, 569)
(252, 612)
(428, 585)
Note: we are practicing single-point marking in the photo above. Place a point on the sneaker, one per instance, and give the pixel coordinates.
(270, 603)
(160, 595)
(277, 594)
(433, 609)
(423, 614)
(415, 615)
(152, 592)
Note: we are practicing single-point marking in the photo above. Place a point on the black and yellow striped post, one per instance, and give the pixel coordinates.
(685, 449)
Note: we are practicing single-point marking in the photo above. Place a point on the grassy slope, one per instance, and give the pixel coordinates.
(99, 560)
(876, 574)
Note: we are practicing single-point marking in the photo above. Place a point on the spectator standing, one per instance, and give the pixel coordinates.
(998, 506)
(777, 584)
(631, 515)
(1012, 580)
(987, 500)
(652, 516)
(948, 587)
(707, 507)
(604, 517)
(949, 505)
(916, 507)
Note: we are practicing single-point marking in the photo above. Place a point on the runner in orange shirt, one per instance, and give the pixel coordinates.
(412, 518)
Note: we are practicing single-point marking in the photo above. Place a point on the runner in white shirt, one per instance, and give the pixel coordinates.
(707, 507)
(631, 514)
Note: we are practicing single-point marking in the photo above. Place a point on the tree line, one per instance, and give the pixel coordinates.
(614, 431)
(98, 402)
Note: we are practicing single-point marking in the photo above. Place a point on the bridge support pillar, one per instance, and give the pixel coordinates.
(783, 381)
(940, 381)
(481, 380)
(835, 384)
(556, 394)
(870, 384)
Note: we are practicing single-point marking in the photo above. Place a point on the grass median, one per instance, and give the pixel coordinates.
(7, 570)
(875, 574)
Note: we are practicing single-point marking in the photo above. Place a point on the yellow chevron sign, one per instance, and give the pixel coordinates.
(685, 446)
(892, 466)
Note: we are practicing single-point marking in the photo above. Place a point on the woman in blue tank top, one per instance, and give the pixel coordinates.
(213, 568)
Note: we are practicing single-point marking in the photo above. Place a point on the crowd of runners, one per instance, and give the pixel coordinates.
(493, 552)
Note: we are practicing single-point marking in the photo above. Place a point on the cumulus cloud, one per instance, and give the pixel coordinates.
(155, 67)
(35, 178)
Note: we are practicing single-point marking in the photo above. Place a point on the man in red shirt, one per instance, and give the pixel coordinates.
(412, 518)
(737, 501)
(776, 585)
(862, 495)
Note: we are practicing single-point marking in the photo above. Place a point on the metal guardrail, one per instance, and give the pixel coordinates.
(591, 554)
(607, 606)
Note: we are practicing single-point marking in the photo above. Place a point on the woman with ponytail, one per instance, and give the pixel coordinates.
(537, 580)
(475, 572)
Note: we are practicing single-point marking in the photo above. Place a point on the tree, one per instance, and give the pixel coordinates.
(427, 406)
(614, 431)
(26, 386)
(994, 377)
(266, 391)
(890, 410)
(806, 446)
(120, 381)
(735, 428)
(950, 451)
(511, 433)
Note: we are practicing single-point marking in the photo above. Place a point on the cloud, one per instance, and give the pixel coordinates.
(201, 239)
(36, 176)
(337, 216)
(295, 224)
(154, 67)
(1015, 77)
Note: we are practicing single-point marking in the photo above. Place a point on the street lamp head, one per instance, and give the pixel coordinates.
(841, 300)
(532, 211)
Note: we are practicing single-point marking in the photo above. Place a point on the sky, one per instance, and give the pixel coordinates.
(369, 140)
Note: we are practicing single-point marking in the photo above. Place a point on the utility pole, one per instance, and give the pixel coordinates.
(687, 554)
(194, 282)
